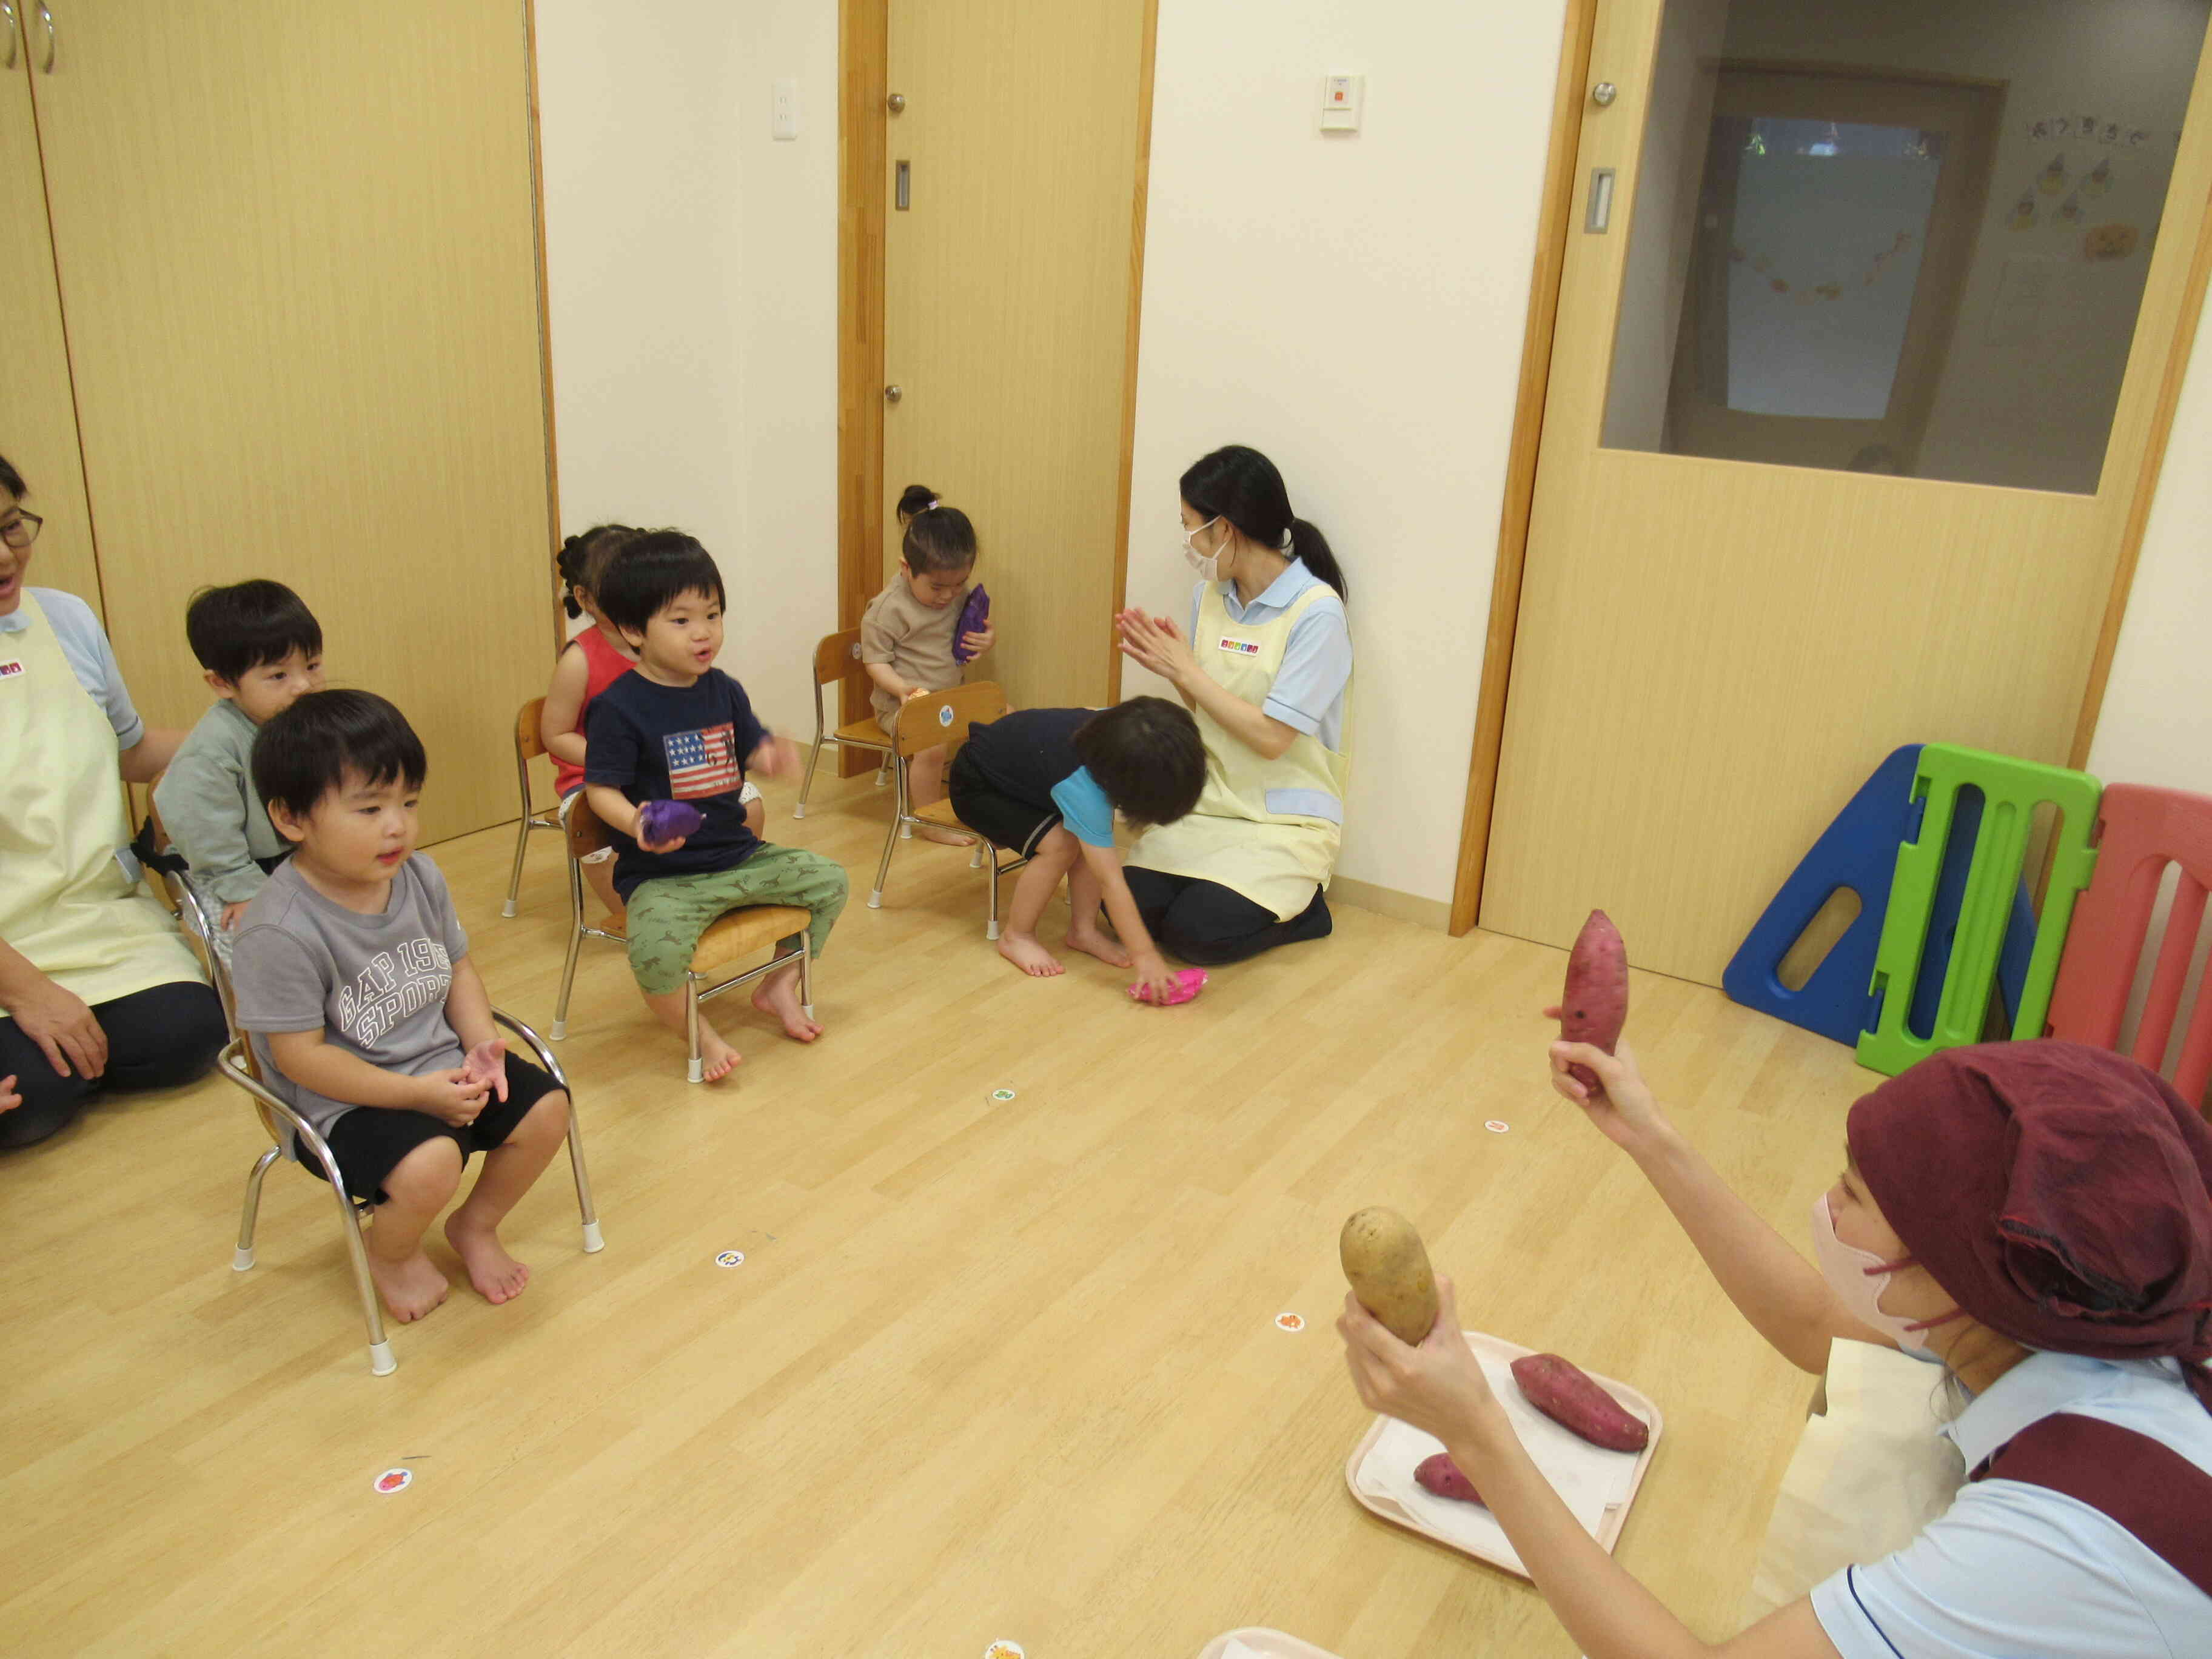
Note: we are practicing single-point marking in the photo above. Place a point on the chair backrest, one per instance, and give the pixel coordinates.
(941, 719)
(529, 738)
(836, 655)
(585, 830)
(164, 889)
(2141, 831)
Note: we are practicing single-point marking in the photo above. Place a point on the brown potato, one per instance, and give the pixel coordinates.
(1388, 1268)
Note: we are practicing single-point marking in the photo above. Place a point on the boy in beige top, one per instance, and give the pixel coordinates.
(906, 634)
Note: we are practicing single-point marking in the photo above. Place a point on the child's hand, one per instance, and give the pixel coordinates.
(486, 1063)
(775, 757)
(913, 691)
(450, 1096)
(980, 640)
(232, 913)
(1154, 975)
(669, 846)
(9, 1100)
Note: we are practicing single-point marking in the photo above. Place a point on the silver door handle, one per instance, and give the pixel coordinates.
(14, 31)
(1604, 94)
(892, 394)
(46, 17)
(895, 102)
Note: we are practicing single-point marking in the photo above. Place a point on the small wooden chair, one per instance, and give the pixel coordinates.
(732, 937)
(943, 720)
(836, 655)
(529, 745)
(238, 1063)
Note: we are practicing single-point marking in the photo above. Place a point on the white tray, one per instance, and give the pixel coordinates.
(1597, 1484)
(1269, 1643)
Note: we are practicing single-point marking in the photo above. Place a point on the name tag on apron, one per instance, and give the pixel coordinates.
(1239, 647)
(14, 668)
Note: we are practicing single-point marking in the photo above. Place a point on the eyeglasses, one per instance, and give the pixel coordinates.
(20, 531)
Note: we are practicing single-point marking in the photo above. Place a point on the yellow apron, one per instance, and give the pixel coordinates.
(1274, 858)
(65, 900)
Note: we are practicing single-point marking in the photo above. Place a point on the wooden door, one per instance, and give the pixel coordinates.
(38, 420)
(1010, 287)
(298, 255)
(1711, 654)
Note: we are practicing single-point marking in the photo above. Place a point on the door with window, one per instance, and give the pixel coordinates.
(1862, 328)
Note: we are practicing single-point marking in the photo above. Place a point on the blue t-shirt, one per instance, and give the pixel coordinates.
(1030, 755)
(1085, 809)
(686, 743)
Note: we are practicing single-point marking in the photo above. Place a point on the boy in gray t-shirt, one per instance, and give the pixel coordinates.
(352, 978)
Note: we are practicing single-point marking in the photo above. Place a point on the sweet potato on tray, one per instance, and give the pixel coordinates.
(1440, 1475)
(1565, 1393)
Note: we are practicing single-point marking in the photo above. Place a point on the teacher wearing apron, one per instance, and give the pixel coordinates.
(97, 989)
(1267, 669)
(2035, 1219)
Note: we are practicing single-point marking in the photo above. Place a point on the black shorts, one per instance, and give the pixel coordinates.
(369, 1142)
(999, 817)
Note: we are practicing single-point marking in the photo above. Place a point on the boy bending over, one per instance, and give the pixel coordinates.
(1046, 783)
(679, 728)
(352, 976)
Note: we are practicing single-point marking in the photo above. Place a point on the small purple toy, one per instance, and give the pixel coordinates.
(1188, 983)
(664, 820)
(973, 616)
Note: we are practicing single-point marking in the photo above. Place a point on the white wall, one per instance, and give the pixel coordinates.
(691, 266)
(1352, 305)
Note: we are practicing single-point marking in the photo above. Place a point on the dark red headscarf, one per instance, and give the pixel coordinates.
(2061, 1195)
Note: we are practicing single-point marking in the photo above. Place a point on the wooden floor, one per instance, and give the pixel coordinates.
(988, 1369)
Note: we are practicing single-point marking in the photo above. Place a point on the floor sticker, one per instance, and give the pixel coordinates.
(392, 1480)
(1002, 1094)
(1496, 1128)
(1003, 1650)
(1290, 1321)
(731, 1259)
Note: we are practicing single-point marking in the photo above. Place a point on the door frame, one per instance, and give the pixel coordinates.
(863, 147)
(1554, 226)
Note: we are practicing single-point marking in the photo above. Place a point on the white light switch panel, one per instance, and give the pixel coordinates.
(1341, 97)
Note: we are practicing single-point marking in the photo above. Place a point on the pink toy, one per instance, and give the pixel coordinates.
(664, 820)
(1188, 983)
(973, 616)
(2141, 830)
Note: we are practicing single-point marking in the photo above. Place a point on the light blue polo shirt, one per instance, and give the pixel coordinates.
(2012, 1569)
(1308, 694)
(1084, 808)
(91, 659)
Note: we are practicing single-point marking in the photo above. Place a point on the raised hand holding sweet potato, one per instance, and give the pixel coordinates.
(1566, 1393)
(1388, 1268)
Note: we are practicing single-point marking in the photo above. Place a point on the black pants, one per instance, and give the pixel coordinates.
(1207, 924)
(156, 1039)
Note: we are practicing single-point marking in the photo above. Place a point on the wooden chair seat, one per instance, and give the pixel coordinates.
(866, 731)
(728, 938)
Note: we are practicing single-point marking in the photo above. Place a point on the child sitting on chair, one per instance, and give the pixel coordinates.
(679, 729)
(1046, 783)
(906, 633)
(353, 976)
(261, 649)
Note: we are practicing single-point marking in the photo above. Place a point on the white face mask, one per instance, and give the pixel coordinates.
(1208, 565)
(1857, 1276)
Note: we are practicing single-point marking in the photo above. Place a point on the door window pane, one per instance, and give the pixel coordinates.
(1900, 235)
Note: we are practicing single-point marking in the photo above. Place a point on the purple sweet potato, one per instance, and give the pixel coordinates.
(1440, 1475)
(1594, 1006)
(664, 820)
(1565, 1393)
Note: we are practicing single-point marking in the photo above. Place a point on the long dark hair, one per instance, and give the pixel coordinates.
(937, 537)
(1242, 486)
(580, 558)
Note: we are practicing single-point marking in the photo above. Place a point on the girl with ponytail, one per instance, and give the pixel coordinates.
(1267, 669)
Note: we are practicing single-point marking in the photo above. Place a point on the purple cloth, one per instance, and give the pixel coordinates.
(664, 820)
(973, 616)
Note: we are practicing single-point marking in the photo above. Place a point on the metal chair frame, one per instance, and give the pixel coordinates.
(693, 994)
(831, 655)
(966, 704)
(529, 743)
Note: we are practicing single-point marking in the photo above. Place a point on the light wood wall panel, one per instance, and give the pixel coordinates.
(1007, 296)
(297, 249)
(38, 422)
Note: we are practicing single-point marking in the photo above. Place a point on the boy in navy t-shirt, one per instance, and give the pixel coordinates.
(1046, 782)
(677, 728)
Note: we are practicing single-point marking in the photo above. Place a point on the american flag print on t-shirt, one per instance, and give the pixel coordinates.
(703, 763)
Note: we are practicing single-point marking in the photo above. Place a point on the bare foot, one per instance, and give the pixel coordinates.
(717, 1059)
(779, 995)
(1026, 954)
(497, 1276)
(946, 837)
(410, 1288)
(1100, 945)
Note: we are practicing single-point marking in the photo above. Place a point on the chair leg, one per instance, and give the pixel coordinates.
(521, 846)
(243, 1257)
(807, 784)
(593, 1243)
(890, 842)
(698, 1071)
(806, 974)
(883, 771)
(991, 927)
(380, 1362)
(560, 1027)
